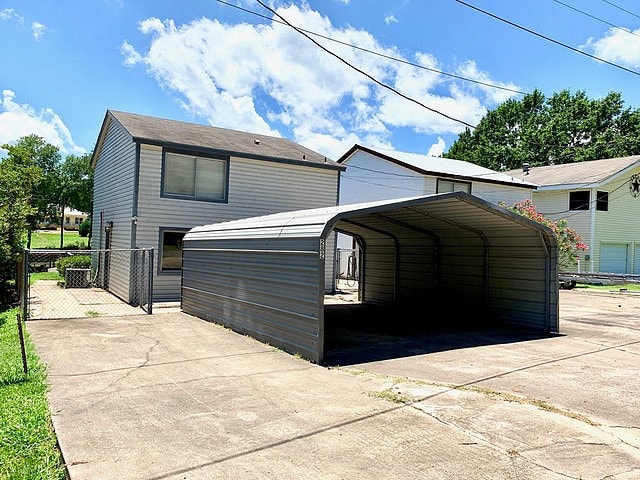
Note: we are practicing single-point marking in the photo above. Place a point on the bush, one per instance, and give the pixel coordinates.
(75, 261)
(84, 228)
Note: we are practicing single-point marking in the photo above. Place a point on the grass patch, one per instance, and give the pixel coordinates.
(51, 239)
(92, 313)
(28, 445)
(53, 275)
(630, 287)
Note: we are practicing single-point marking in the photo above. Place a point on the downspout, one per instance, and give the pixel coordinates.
(592, 230)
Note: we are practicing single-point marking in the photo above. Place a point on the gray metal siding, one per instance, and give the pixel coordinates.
(269, 288)
(255, 188)
(113, 196)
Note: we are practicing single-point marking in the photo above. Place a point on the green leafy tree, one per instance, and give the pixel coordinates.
(75, 186)
(537, 130)
(31, 155)
(569, 241)
(15, 211)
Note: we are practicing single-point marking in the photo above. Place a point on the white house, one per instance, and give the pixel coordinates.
(156, 178)
(600, 199)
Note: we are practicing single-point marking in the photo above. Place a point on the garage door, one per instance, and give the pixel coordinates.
(614, 258)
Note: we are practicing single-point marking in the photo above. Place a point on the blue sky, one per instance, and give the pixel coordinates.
(64, 63)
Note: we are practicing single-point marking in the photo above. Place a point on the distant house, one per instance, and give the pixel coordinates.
(155, 179)
(374, 174)
(601, 201)
(72, 220)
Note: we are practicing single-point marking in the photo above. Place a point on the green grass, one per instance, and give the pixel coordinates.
(631, 287)
(34, 277)
(51, 239)
(28, 446)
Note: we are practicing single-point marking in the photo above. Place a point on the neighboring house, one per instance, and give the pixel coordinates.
(156, 178)
(600, 199)
(374, 174)
(72, 220)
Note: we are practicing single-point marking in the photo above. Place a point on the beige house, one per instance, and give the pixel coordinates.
(600, 199)
(72, 220)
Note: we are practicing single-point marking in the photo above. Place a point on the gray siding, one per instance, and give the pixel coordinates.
(113, 202)
(255, 188)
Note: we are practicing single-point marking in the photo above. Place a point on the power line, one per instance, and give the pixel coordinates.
(549, 39)
(620, 8)
(373, 52)
(370, 77)
(597, 18)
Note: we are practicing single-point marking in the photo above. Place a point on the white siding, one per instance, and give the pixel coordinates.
(369, 178)
(256, 187)
(113, 202)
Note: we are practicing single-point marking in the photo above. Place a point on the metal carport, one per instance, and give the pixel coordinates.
(265, 276)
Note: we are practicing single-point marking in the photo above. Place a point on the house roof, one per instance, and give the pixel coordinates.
(430, 165)
(174, 133)
(580, 174)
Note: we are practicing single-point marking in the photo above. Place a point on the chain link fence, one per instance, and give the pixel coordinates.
(86, 283)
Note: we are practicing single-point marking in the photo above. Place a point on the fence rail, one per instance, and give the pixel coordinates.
(86, 283)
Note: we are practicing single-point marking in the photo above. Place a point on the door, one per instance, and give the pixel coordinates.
(614, 258)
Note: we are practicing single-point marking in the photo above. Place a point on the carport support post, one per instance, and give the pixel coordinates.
(150, 282)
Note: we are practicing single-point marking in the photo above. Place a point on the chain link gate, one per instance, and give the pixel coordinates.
(86, 283)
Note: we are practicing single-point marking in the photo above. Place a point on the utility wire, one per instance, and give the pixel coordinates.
(620, 8)
(373, 52)
(370, 77)
(549, 39)
(597, 18)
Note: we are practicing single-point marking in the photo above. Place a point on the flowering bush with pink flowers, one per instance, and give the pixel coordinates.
(569, 241)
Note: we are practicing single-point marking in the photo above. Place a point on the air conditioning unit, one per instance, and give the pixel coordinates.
(77, 277)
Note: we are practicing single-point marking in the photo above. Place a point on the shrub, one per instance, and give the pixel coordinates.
(84, 228)
(75, 261)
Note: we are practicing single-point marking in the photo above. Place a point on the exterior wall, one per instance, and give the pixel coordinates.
(615, 226)
(255, 188)
(369, 178)
(113, 201)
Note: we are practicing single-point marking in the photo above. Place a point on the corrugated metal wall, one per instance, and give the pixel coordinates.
(449, 253)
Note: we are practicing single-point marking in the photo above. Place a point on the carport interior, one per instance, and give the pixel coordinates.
(449, 260)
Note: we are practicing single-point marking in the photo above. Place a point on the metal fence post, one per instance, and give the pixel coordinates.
(150, 281)
(25, 284)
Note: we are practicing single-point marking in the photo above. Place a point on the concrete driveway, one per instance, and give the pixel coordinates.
(169, 396)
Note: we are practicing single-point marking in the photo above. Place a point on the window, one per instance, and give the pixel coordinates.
(602, 201)
(445, 186)
(171, 249)
(192, 177)
(579, 200)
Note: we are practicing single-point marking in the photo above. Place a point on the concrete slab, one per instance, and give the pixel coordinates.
(169, 396)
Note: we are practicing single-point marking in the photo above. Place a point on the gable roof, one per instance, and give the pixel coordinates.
(588, 174)
(438, 166)
(178, 134)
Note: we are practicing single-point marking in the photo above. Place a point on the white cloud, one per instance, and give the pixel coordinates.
(389, 19)
(20, 120)
(618, 46)
(38, 30)
(10, 13)
(437, 149)
(270, 79)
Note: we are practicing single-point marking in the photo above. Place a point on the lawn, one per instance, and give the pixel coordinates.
(630, 287)
(28, 445)
(50, 239)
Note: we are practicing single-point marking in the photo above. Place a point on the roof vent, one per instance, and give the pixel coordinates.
(256, 141)
(525, 168)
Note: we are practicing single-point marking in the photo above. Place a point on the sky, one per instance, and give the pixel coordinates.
(406, 75)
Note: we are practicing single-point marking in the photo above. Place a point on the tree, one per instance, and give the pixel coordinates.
(75, 187)
(15, 210)
(31, 155)
(569, 241)
(546, 131)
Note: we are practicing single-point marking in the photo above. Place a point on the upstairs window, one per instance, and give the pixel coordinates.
(446, 186)
(579, 200)
(193, 177)
(602, 201)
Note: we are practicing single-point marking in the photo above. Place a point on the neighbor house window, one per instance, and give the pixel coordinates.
(445, 186)
(171, 249)
(194, 177)
(602, 201)
(579, 200)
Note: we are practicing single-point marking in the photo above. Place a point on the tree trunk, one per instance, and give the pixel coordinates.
(62, 227)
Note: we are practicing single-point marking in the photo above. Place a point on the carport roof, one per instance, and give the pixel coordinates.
(455, 208)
